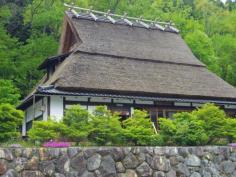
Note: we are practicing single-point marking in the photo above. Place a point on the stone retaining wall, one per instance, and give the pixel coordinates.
(119, 162)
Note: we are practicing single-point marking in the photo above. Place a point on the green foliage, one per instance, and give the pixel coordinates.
(201, 46)
(46, 130)
(213, 118)
(206, 125)
(77, 119)
(230, 130)
(8, 92)
(105, 127)
(138, 128)
(167, 130)
(185, 129)
(225, 48)
(10, 119)
(30, 31)
(190, 130)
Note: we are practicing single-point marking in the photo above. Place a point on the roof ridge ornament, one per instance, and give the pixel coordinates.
(92, 14)
(158, 26)
(112, 20)
(171, 28)
(126, 20)
(115, 18)
(142, 23)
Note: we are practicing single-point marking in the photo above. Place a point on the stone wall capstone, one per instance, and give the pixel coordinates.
(206, 161)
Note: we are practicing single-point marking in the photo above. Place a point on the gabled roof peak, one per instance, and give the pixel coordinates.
(89, 14)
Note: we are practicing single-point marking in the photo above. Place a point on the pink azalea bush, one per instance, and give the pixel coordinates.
(233, 145)
(56, 144)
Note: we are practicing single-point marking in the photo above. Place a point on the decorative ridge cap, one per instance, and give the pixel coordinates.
(120, 19)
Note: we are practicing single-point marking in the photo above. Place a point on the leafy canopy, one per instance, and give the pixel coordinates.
(8, 92)
(46, 130)
(30, 32)
(77, 121)
(138, 128)
(105, 127)
(206, 125)
(10, 119)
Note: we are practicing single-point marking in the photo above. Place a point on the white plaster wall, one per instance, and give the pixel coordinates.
(40, 109)
(56, 107)
(91, 109)
(23, 128)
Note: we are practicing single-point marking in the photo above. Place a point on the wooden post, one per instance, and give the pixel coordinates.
(33, 107)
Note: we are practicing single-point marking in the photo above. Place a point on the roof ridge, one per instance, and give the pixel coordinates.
(120, 19)
(139, 59)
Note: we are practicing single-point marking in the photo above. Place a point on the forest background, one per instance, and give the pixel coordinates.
(30, 32)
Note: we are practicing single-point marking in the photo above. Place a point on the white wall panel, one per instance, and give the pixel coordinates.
(56, 107)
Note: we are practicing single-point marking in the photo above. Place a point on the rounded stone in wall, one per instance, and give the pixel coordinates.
(195, 174)
(118, 153)
(58, 175)
(128, 173)
(159, 174)
(171, 173)
(87, 174)
(119, 167)
(182, 169)
(107, 167)
(193, 161)
(130, 161)
(11, 173)
(78, 163)
(161, 163)
(228, 166)
(144, 170)
(94, 162)
(3, 166)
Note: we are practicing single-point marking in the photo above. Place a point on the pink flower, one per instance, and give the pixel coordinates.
(56, 144)
(233, 145)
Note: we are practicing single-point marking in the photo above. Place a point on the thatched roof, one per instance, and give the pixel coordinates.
(85, 71)
(134, 42)
(128, 59)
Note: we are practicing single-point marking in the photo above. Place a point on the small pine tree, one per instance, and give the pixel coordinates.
(77, 121)
(10, 119)
(138, 128)
(105, 128)
(214, 120)
(46, 130)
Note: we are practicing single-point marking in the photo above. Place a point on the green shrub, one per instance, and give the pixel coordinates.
(8, 92)
(189, 130)
(138, 128)
(167, 130)
(46, 130)
(10, 119)
(105, 128)
(77, 121)
(206, 125)
(230, 129)
(214, 120)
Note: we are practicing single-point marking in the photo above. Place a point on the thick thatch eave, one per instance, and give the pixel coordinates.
(84, 71)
